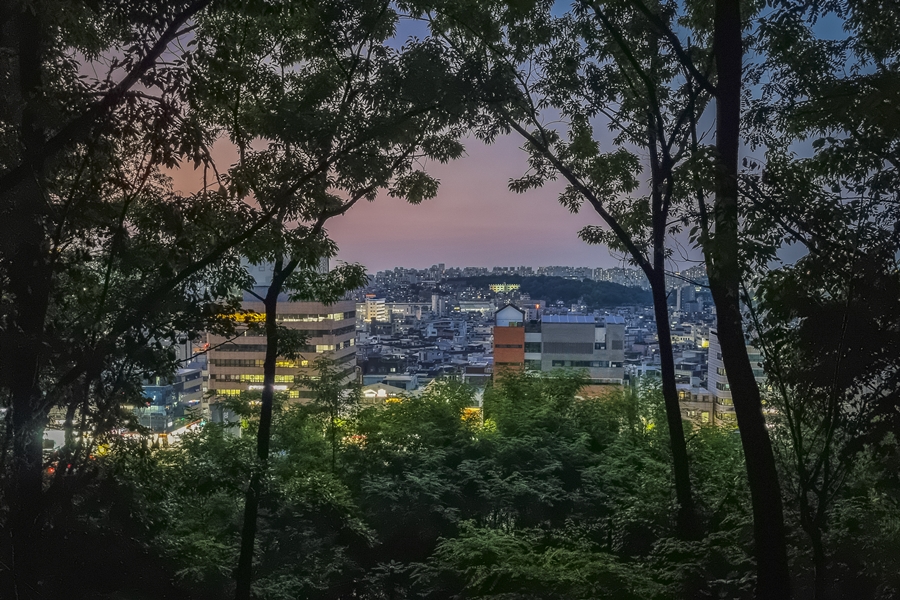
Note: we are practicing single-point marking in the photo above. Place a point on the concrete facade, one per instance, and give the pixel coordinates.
(595, 345)
(237, 366)
(718, 379)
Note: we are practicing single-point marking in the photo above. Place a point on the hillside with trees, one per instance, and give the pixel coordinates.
(592, 294)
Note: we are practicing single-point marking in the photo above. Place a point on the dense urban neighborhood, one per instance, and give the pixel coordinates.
(471, 332)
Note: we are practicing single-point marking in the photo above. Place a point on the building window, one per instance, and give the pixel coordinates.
(236, 362)
(532, 347)
(533, 365)
(558, 363)
(600, 346)
(508, 345)
(568, 348)
(227, 392)
(724, 387)
(617, 345)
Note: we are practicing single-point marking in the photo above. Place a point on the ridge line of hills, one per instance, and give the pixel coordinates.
(593, 294)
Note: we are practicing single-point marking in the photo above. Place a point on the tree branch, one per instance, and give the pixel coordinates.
(677, 48)
(573, 179)
(80, 128)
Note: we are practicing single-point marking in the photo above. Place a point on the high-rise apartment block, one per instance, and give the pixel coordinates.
(374, 309)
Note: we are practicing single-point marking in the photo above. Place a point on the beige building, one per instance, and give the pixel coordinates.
(718, 379)
(236, 366)
(696, 404)
(373, 309)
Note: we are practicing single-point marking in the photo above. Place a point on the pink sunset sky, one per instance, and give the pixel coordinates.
(474, 221)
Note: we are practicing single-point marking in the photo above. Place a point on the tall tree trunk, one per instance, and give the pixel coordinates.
(687, 522)
(244, 571)
(29, 273)
(820, 563)
(26, 515)
(773, 578)
(29, 282)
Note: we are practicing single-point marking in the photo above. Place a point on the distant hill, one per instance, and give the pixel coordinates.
(594, 294)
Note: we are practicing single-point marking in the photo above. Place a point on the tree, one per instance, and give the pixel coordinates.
(602, 65)
(835, 201)
(711, 64)
(349, 117)
(720, 241)
(85, 309)
(335, 399)
(103, 263)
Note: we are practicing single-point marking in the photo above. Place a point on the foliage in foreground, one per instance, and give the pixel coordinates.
(547, 496)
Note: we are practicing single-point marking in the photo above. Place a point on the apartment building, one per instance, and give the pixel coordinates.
(236, 365)
(595, 345)
(718, 379)
(696, 403)
(373, 309)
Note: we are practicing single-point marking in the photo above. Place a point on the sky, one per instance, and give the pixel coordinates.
(474, 220)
